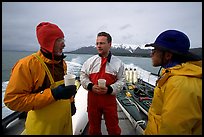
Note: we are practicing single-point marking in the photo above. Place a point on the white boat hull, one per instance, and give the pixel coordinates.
(80, 118)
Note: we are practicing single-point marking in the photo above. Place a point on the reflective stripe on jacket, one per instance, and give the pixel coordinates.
(177, 103)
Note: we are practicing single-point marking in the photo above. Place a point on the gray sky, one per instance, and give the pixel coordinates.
(134, 23)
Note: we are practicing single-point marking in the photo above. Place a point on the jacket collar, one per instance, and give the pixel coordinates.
(108, 57)
(47, 60)
(49, 55)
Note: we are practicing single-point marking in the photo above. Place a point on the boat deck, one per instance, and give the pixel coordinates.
(17, 126)
(124, 123)
(132, 121)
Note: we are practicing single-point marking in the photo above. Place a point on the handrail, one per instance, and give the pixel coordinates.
(8, 119)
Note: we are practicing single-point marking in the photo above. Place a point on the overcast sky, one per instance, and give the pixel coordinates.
(134, 23)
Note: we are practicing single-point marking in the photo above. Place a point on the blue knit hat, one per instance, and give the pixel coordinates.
(174, 41)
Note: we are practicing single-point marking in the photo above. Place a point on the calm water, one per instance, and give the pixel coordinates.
(9, 58)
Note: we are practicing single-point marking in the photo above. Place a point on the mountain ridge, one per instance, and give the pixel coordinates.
(120, 50)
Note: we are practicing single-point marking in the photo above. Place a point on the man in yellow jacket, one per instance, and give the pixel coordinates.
(36, 86)
(177, 102)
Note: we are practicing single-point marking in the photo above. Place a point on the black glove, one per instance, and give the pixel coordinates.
(63, 92)
(73, 108)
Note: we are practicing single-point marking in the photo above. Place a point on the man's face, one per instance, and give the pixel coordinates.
(102, 46)
(59, 46)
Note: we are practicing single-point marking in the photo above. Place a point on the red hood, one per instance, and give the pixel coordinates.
(47, 33)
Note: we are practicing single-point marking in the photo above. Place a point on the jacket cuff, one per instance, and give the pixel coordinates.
(110, 90)
(89, 87)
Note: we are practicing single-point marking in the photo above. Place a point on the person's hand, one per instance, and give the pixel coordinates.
(63, 92)
(99, 90)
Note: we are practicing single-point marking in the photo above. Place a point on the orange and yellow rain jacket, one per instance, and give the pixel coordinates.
(29, 89)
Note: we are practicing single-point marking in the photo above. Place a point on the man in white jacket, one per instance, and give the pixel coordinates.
(102, 100)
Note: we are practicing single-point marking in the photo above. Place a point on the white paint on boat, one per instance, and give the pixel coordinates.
(80, 118)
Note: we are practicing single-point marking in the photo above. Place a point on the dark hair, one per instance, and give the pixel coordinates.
(185, 58)
(109, 38)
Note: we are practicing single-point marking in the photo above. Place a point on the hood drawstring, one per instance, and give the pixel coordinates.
(53, 58)
(53, 66)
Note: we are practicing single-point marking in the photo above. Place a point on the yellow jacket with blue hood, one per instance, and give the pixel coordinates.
(29, 87)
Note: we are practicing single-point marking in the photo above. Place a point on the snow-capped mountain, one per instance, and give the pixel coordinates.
(130, 47)
(117, 49)
(126, 50)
